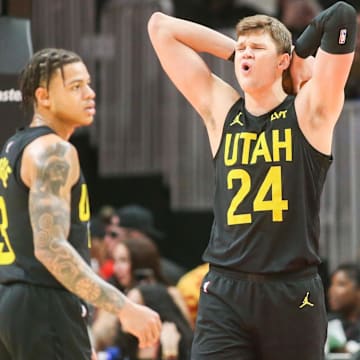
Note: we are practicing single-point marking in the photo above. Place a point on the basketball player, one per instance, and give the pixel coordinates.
(263, 298)
(44, 224)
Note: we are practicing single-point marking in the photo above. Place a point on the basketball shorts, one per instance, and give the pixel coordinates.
(260, 317)
(39, 323)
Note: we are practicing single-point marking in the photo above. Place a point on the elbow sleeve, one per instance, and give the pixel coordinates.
(333, 30)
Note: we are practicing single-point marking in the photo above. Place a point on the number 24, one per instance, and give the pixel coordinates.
(271, 182)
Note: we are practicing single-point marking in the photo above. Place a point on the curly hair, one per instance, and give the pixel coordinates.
(39, 70)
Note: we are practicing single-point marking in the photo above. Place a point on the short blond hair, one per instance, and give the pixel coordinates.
(275, 28)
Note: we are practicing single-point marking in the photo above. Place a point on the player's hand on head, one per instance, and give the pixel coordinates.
(301, 71)
(142, 322)
(287, 83)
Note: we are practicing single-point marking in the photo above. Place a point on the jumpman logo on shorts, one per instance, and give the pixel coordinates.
(306, 301)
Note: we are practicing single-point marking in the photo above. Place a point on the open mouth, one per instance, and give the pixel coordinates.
(245, 67)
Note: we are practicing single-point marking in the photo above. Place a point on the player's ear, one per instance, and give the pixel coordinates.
(42, 97)
(284, 61)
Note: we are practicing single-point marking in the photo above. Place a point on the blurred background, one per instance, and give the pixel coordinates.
(147, 146)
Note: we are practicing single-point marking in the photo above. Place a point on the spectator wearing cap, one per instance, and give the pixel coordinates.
(136, 220)
(133, 221)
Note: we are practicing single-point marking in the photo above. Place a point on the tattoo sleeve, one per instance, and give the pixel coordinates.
(49, 206)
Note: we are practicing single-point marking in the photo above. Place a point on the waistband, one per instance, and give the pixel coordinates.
(304, 273)
(26, 283)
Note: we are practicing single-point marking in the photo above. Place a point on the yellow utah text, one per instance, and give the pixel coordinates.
(247, 148)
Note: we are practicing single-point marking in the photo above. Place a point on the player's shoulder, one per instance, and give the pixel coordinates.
(50, 145)
(48, 152)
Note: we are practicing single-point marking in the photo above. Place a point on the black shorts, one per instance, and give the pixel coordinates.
(39, 323)
(254, 317)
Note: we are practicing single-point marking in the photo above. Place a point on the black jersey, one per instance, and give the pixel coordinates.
(17, 260)
(267, 193)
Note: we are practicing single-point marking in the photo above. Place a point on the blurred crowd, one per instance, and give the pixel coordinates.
(125, 252)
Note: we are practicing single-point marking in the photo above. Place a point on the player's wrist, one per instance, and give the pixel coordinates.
(124, 305)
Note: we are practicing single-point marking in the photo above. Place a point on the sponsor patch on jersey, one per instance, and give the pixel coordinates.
(342, 36)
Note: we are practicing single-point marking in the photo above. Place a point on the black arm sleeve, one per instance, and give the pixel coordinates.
(333, 30)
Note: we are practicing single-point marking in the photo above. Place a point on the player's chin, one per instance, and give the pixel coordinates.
(89, 114)
(88, 119)
(247, 87)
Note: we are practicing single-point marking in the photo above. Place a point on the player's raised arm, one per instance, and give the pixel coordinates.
(177, 44)
(331, 37)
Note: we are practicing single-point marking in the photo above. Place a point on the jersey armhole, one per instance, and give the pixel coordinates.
(234, 109)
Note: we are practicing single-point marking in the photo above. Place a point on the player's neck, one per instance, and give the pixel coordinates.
(60, 128)
(262, 101)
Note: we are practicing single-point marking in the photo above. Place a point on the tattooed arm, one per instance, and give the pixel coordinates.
(50, 167)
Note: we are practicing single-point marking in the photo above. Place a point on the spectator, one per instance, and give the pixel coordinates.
(97, 250)
(189, 287)
(152, 290)
(138, 221)
(344, 303)
(137, 263)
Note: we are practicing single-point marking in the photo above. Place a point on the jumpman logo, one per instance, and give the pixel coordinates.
(237, 120)
(306, 301)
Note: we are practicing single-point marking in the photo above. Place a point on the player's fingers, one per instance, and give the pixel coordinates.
(157, 325)
(151, 335)
(145, 340)
(156, 328)
(151, 338)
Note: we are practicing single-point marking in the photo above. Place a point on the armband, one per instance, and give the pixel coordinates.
(333, 30)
